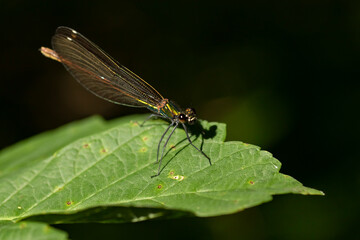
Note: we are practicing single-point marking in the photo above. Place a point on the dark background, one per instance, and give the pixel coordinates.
(283, 75)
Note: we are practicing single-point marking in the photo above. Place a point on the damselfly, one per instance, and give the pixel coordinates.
(99, 73)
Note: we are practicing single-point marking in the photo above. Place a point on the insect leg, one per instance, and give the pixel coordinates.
(187, 135)
(167, 140)
(162, 137)
(148, 118)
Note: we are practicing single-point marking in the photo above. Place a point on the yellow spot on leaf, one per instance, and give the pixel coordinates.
(143, 149)
(134, 124)
(177, 177)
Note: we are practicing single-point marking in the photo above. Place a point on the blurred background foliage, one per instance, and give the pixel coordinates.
(283, 75)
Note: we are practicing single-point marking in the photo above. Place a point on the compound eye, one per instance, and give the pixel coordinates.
(182, 117)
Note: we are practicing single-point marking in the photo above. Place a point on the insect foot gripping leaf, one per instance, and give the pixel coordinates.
(105, 177)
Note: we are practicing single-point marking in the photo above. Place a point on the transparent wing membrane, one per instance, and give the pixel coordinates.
(101, 74)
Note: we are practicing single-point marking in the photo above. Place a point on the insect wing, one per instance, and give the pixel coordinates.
(99, 73)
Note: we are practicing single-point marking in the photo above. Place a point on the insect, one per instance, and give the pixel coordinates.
(103, 76)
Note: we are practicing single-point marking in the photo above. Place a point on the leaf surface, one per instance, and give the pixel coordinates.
(105, 177)
(36, 148)
(30, 230)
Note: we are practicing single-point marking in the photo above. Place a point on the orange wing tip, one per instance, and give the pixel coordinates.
(49, 53)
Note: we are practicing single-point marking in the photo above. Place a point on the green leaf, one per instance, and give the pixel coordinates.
(106, 177)
(30, 230)
(36, 148)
